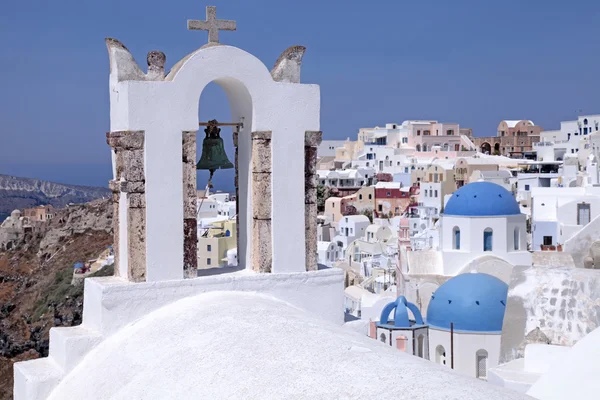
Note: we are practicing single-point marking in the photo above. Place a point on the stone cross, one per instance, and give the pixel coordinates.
(212, 24)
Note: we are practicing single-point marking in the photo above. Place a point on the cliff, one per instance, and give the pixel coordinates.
(19, 193)
(35, 282)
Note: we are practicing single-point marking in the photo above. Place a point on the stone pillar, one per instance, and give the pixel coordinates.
(262, 251)
(115, 187)
(237, 190)
(312, 139)
(129, 149)
(190, 200)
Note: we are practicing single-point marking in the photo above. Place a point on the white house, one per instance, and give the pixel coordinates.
(559, 213)
(349, 229)
(327, 147)
(328, 253)
(536, 174)
(572, 138)
(502, 177)
(207, 208)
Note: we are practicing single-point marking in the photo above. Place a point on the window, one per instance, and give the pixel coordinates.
(456, 238)
(436, 194)
(426, 193)
(450, 132)
(583, 214)
(227, 233)
(547, 240)
(380, 208)
(370, 197)
(488, 236)
(360, 196)
(208, 261)
(440, 355)
(517, 238)
(208, 247)
(482, 357)
(388, 194)
(526, 187)
(382, 337)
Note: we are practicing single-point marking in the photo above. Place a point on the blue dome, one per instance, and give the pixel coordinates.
(479, 199)
(401, 317)
(474, 302)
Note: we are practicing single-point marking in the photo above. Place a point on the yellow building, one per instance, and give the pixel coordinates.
(214, 242)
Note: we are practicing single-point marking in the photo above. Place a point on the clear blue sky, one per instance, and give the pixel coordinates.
(472, 62)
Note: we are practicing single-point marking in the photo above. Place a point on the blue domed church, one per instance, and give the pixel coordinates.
(480, 230)
(483, 229)
(463, 327)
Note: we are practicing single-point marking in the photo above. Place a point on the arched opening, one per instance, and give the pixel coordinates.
(425, 147)
(497, 148)
(440, 355)
(482, 364)
(420, 345)
(517, 239)
(488, 239)
(456, 238)
(486, 148)
(383, 337)
(418, 147)
(228, 101)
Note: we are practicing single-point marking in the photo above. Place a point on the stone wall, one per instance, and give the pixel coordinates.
(562, 302)
(312, 140)
(130, 181)
(190, 199)
(262, 251)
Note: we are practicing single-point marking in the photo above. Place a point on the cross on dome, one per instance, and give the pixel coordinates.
(212, 24)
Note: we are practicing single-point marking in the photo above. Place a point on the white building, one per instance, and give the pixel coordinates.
(571, 138)
(463, 326)
(349, 229)
(328, 253)
(327, 147)
(559, 213)
(465, 318)
(502, 177)
(348, 178)
(536, 174)
(482, 223)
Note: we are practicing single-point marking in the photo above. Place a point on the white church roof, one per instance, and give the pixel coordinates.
(249, 346)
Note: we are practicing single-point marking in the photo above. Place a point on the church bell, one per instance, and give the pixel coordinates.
(213, 151)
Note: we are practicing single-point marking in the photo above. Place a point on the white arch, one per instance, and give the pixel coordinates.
(164, 109)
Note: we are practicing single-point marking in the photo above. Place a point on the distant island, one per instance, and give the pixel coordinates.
(20, 193)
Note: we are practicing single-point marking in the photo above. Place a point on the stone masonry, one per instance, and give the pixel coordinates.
(129, 156)
(190, 200)
(312, 139)
(262, 252)
(237, 187)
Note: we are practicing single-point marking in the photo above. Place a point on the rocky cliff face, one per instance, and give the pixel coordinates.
(35, 282)
(18, 193)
